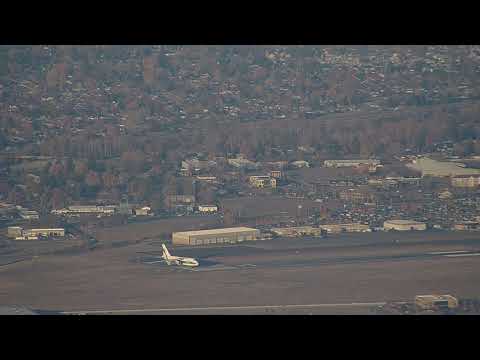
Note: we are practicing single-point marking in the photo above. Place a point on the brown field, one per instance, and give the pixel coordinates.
(259, 206)
(155, 229)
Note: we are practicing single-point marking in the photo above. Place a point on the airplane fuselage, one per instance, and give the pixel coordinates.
(177, 260)
(181, 261)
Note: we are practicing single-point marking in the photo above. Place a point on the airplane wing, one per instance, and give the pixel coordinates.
(155, 262)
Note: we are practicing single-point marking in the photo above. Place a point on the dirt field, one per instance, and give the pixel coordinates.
(259, 206)
(155, 229)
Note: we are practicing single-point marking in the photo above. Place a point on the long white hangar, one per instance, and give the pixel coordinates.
(215, 236)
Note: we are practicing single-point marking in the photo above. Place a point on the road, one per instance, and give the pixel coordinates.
(252, 309)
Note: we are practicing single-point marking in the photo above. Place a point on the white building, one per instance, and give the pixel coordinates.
(32, 234)
(261, 181)
(430, 167)
(57, 232)
(29, 214)
(300, 164)
(14, 231)
(207, 208)
(466, 181)
(215, 236)
(197, 165)
(404, 225)
(143, 211)
(349, 227)
(347, 163)
(242, 163)
(86, 209)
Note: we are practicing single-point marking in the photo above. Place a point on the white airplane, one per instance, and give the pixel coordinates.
(177, 260)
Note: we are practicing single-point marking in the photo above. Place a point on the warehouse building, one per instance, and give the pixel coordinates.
(297, 231)
(433, 302)
(215, 236)
(14, 231)
(467, 225)
(207, 208)
(261, 181)
(242, 163)
(349, 163)
(76, 210)
(29, 214)
(468, 181)
(404, 225)
(19, 233)
(57, 232)
(350, 227)
(430, 167)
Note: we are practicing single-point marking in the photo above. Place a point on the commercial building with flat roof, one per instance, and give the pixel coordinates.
(297, 231)
(348, 163)
(430, 167)
(404, 225)
(468, 181)
(58, 232)
(207, 208)
(19, 233)
(215, 236)
(349, 227)
(431, 302)
(14, 231)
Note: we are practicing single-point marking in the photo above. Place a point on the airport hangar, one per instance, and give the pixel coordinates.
(215, 236)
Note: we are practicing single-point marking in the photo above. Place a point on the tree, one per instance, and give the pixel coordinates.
(92, 179)
(58, 199)
(80, 169)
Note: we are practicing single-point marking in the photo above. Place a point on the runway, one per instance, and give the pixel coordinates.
(344, 275)
(228, 309)
(297, 259)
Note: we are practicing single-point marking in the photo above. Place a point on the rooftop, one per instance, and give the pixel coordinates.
(215, 231)
(441, 168)
(403, 222)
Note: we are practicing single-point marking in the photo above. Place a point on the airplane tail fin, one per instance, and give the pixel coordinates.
(166, 254)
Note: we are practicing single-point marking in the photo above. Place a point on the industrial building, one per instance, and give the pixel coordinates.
(300, 164)
(349, 163)
(19, 233)
(242, 163)
(430, 167)
(467, 225)
(215, 236)
(357, 195)
(467, 181)
(14, 231)
(209, 179)
(197, 165)
(180, 202)
(433, 302)
(261, 181)
(85, 210)
(143, 211)
(297, 231)
(351, 227)
(404, 225)
(29, 214)
(207, 208)
(277, 174)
